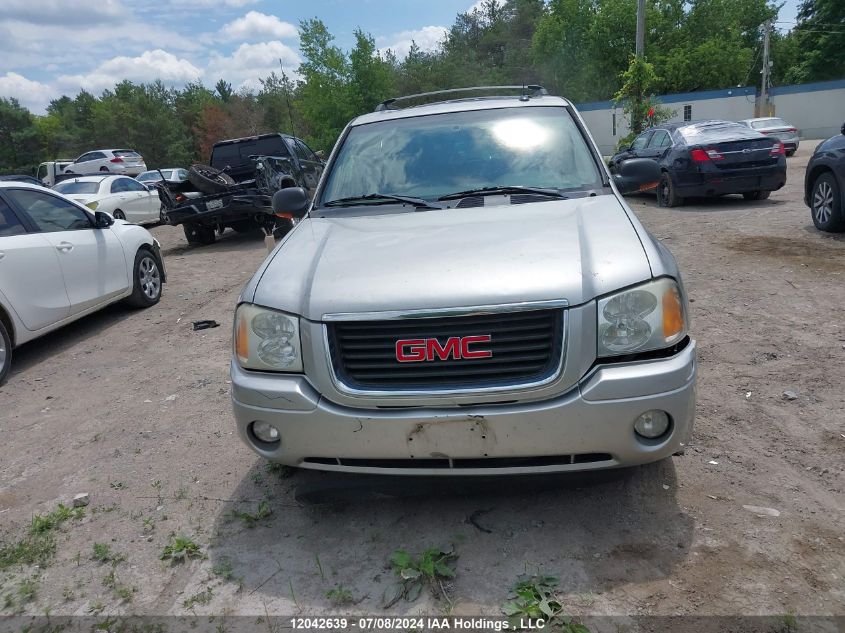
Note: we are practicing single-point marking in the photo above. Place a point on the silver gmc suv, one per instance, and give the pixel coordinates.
(468, 293)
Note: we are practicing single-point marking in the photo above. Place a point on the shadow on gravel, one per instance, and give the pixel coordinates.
(229, 241)
(592, 530)
(709, 204)
(47, 346)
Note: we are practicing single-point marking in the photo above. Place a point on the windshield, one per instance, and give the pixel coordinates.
(77, 187)
(766, 123)
(154, 175)
(434, 155)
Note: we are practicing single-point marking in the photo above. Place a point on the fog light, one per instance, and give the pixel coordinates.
(652, 424)
(265, 432)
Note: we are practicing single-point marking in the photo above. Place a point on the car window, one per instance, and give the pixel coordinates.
(183, 174)
(74, 186)
(660, 138)
(303, 152)
(148, 175)
(118, 185)
(9, 222)
(434, 155)
(42, 172)
(133, 185)
(641, 141)
(717, 132)
(127, 153)
(50, 213)
(85, 158)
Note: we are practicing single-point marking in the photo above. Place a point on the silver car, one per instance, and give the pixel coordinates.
(467, 294)
(776, 128)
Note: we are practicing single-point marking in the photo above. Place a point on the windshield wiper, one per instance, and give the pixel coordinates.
(367, 198)
(489, 191)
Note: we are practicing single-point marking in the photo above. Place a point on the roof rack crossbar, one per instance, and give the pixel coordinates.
(534, 89)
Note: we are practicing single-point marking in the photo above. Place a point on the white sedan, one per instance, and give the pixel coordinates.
(121, 197)
(60, 261)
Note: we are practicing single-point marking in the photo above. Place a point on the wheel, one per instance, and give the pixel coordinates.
(118, 215)
(146, 289)
(790, 152)
(826, 204)
(666, 195)
(5, 352)
(209, 180)
(198, 234)
(756, 195)
(104, 168)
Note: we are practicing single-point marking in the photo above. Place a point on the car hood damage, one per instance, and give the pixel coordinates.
(564, 249)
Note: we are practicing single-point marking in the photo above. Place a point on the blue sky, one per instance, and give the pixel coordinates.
(54, 47)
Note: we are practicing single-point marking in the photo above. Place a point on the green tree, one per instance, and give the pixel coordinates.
(18, 136)
(637, 100)
(820, 38)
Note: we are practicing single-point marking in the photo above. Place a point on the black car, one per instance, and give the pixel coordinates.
(709, 158)
(824, 184)
(236, 189)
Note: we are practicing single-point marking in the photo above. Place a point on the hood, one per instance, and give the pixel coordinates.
(568, 249)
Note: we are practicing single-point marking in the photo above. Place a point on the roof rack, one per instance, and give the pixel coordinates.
(528, 91)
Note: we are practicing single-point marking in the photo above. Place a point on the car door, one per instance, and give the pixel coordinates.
(143, 203)
(30, 272)
(657, 145)
(92, 260)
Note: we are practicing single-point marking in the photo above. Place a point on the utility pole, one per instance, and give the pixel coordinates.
(640, 48)
(765, 110)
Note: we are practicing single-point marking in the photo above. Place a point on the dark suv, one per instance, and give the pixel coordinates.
(237, 187)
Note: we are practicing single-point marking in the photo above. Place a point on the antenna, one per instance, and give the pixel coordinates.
(287, 97)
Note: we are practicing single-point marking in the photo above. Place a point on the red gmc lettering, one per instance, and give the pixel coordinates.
(419, 350)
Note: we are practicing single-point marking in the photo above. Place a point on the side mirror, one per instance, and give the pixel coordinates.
(293, 200)
(102, 220)
(637, 174)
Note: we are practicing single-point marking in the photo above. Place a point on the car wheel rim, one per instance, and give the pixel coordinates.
(823, 202)
(149, 277)
(2, 354)
(664, 192)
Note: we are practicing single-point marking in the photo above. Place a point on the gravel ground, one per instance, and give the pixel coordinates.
(133, 408)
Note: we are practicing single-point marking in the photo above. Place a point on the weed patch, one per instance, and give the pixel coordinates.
(430, 569)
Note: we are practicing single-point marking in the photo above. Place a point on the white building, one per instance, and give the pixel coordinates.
(817, 110)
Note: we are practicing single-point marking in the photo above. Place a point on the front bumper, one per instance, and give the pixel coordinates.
(589, 427)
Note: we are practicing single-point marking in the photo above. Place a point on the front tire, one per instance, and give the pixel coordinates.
(198, 234)
(118, 215)
(666, 194)
(756, 195)
(146, 289)
(5, 352)
(826, 204)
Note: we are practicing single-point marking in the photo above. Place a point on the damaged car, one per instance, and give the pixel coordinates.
(467, 294)
(236, 189)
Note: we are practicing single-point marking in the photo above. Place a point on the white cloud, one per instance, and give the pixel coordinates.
(64, 12)
(213, 3)
(479, 6)
(147, 67)
(427, 38)
(258, 26)
(251, 62)
(31, 94)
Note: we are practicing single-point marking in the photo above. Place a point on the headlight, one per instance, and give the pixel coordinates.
(267, 340)
(648, 317)
(92, 205)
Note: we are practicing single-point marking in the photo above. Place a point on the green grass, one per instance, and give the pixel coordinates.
(103, 553)
(203, 597)
(41, 524)
(36, 549)
(180, 549)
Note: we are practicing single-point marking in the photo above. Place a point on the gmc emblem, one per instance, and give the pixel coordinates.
(417, 350)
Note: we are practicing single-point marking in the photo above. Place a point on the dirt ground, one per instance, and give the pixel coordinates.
(132, 407)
